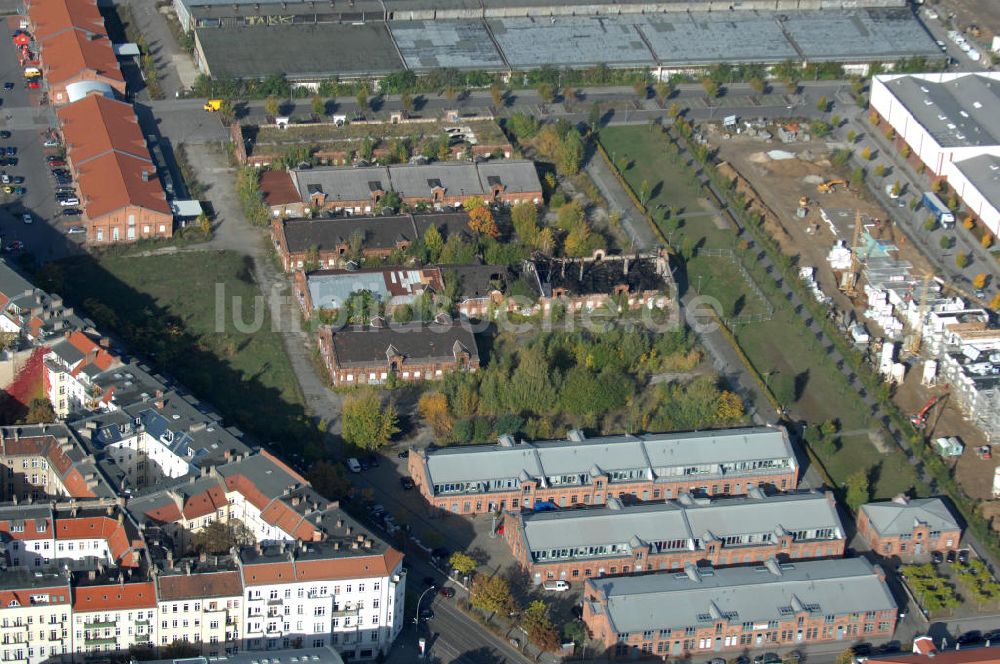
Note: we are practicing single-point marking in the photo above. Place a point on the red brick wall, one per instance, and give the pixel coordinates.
(920, 543)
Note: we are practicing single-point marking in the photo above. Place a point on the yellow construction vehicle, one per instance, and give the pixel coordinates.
(830, 186)
(213, 105)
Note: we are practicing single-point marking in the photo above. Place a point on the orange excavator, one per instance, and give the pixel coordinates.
(920, 419)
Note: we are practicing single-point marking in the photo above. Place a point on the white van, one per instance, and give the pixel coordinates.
(556, 586)
(353, 465)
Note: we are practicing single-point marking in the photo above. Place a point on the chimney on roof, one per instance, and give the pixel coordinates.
(109, 510)
(901, 499)
(187, 568)
(354, 546)
(121, 518)
(170, 559)
(625, 266)
(91, 574)
(104, 342)
(260, 549)
(340, 523)
(295, 501)
(348, 530)
(145, 175)
(336, 546)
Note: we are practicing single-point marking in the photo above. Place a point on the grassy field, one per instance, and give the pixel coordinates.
(671, 189)
(781, 349)
(164, 309)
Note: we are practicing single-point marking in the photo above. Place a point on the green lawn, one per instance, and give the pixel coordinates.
(164, 310)
(781, 349)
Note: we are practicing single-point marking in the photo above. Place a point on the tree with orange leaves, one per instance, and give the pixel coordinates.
(481, 221)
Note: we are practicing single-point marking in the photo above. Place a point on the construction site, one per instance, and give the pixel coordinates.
(937, 351)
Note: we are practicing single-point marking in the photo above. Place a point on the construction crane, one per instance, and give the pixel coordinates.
(919, 420)
(913, 345)
(849, 281)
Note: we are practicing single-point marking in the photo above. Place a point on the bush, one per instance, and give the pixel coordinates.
(930, 223)
(962, 260)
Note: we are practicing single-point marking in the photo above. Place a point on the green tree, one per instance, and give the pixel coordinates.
(318, 106)
(930, 223)
(858, 492)
(822, 104)
(524, 218)
(40, 411)
(757, 84)
(879, 170)
(406, 102)
(463, 563)
(522, 125)
(491, 594)
(433, 243)
(329, 479)
(962, 260)
(362, 99)
(271, 106)
(858, 177)
(711, 87)
(546, 92)
(536, 622)
(663, 90)
(366, 423)
(852, 136)
(570, 153)
(219, 537)
(180, 650)
(674, 110)
(227, 111)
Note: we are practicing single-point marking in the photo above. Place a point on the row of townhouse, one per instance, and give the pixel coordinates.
(576, 545)
(702, 611)
(579, 471)
(120, 192)
(441, 185)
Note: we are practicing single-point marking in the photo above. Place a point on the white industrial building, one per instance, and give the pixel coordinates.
(952, 123)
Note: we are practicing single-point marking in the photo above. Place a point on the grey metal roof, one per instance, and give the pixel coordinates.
(866, 34)
(330, 291)
(673, 520)
(418, 180)
(436, 44)
(419, 342)
(340, 183)
(897, 518)
(747, 594)
(704, 37)
(516, 175)
(666, 450)
(960, 112)
(571, 41)
(324, 655)
(327, 234)
(984, 174)
(300, 51)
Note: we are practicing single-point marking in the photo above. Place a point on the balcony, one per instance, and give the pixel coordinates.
(345, 612)
(7, 627)
(273, 631)
(98, 624)
(102, 641)
(275, 602)
(142, 638)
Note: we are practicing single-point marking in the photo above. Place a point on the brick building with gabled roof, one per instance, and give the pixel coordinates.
(123, 199)
(75, 56)
(47, 18)
(412, 352)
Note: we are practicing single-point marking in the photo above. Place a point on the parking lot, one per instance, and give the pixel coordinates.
(28, 122)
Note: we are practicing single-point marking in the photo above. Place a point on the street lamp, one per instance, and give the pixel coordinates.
(416, 618)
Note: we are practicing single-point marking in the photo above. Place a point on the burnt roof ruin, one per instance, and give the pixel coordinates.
(599, 275)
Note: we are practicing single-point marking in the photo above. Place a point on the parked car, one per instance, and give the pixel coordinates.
(16, 245)
(72, 212)
(74, 230)
(20, 191)
(18, 179)
(8, 86)
(447, 592)
(11, 150)
(57, 162)
(992, 635)
(557, 585)
(5, 134)
(406, 483)
(936, 557)
(972, 636)
(353, 465)
(27, 218)
(426, 613)
(951, 556)
(33, 84)
(51, 143)
(405, 454)
(862, 649)
(67, 202)
(767, 658)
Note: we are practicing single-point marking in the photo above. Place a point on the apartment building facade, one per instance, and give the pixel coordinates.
(576, 545)
(202, 607)
(587, 472)
(704, 612)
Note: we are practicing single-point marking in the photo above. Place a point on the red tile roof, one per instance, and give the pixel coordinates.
(115, 597)
(30, 531)
(50, 17)
(96, 125)
(69, 53)
(57, 595)
(327, 569)
(277, 188)
(114, 181)
(200, 585)
(205, 503)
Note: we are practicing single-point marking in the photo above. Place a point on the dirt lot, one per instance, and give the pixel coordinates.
(984, 13)
(780, 184)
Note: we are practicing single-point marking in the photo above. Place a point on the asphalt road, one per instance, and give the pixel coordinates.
(45, 239)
